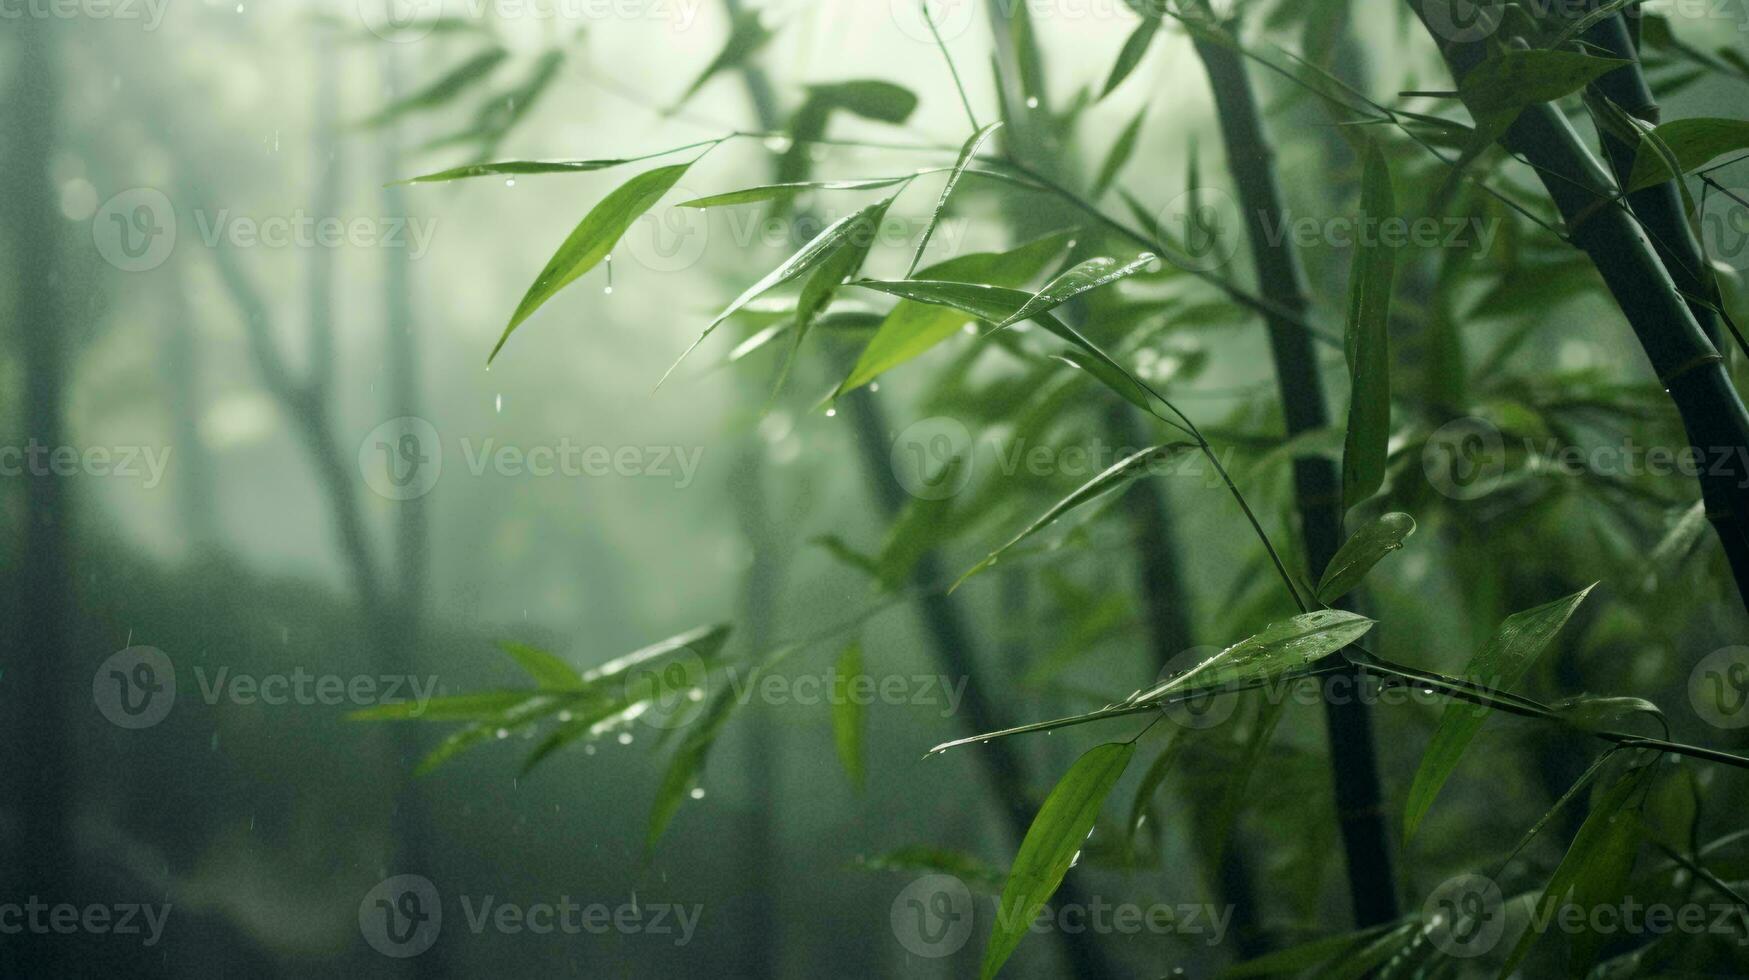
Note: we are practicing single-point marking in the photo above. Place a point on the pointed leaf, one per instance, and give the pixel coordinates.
(847, 714)
(1276, 649)
(1364, 549)
(1511, 79)
(1368, 343)
(1513, 648)
(967, 152)
(547, 670)
(870, 99)
(688, 763)
(1693, 142)
(1087, 276)
(1055, 837)
(1134, 47)
(747, 34)
(1121, 150)
(773, 192)
(444, 89)
(592, 239)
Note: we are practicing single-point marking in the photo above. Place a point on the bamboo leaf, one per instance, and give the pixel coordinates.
(913, 327)
(848, 714)
(1121, 150)
(1511, 79)
(924, 858)
(1368, 345)
(871, 99)
(688, 763)
(1052, 842)
(1513, 648)
(444, 90)
(809, 257)
(1694, 143)
(773, 192)
(1271, 652)
(1134, 48)
(1085, 277)
(1363, 549)
(592, 239)
(1114, 476)
(967, 152)
(838, 268)
(1152, 780)
(544, 668)
(516, 168)
(1594, 873)
(747, 34)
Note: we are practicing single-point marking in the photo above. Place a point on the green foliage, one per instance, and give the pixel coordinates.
(1363, 549)
(1368, 341)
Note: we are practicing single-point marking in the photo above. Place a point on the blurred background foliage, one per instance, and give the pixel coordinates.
(265, 371)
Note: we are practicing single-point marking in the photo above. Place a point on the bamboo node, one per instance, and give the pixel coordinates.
(1699, 360)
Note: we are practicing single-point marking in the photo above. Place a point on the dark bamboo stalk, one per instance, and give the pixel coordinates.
(39, 643)
(1317, 490)
(1660, 210)
(1681, 356)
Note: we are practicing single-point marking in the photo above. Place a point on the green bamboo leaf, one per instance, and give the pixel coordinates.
(1086, 276)
(487, 706)
(1511, 79)
(773, 192)
(1121, 150)
(914, 327)
(837, 269)
(500, 112)
(1368, 344)
(1114, 476)
(1507, 655)
(809, 257)
(1134, 47)
(747, 34)
(1267, 654)
(1055, 837)
(1593, 874)
(967, 152)
(444, 89)
(592, 239)
(516, 168)
(923, 858)
(1693, 142)
(1296, 960)
(1152, 780)
(687, 765)
(871, 99)
(546, 669)
(1364, 549)
(848, 714)
(1592, 714)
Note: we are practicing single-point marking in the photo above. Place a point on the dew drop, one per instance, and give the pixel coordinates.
(1032, 102)
(498, 402)
(607, 290)
(510, 182)
(502, 733)
(697, 793)
(625, 738)
(874, 386)
(831, 412)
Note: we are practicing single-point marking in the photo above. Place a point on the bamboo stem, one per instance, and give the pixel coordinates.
(1359, 803)
(1682, 357)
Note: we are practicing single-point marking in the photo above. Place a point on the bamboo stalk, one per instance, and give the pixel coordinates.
(1659, 209)
(1682, 357)
(1317, 489)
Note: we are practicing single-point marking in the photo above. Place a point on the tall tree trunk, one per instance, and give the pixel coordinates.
(39, 664)
(1317, 490)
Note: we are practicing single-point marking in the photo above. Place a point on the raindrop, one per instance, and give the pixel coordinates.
(589, 749)
(625, 738)
(510, 182)
(831, 412)
(608, 290)
(498, 403)
(697, 793)
(1032, 102)
(874, 386)
(502, 733)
